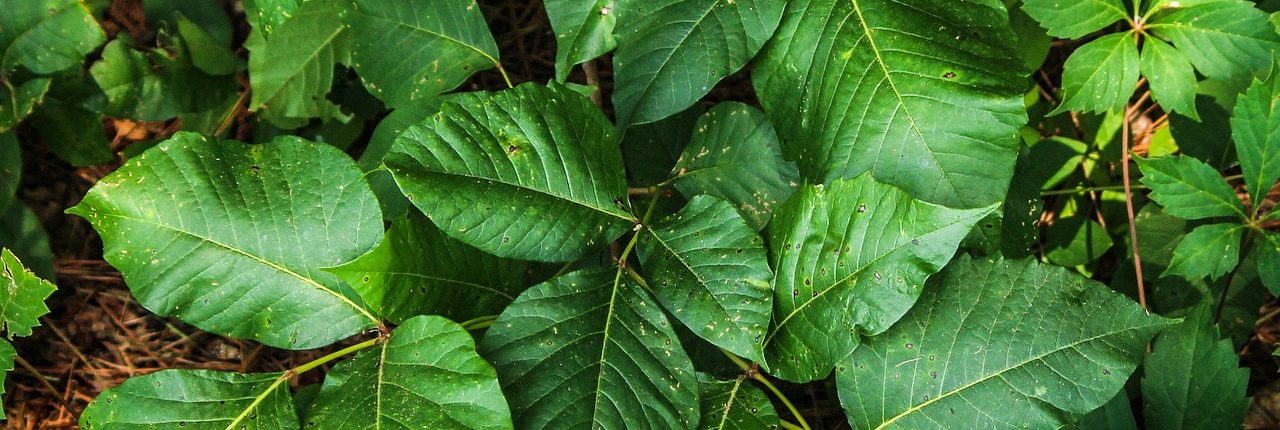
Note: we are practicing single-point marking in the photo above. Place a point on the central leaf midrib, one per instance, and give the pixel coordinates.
(445, 280)
(524, 187)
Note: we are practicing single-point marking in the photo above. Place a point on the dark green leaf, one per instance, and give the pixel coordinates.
(21, 232)
(1269, 260)
(267, 15)
(1192, 379)
(1173, 81)
(208, 54)
(735, 404)
(1223, 39)
(1209, 250)
(997, 343)
(1116, 414)
(231, 237)
(7, 354)
(10, 168)
(1072, 19)
(651, 150)
(18, 102)
(1208, 139)
(1255, 124)
(1188, 188)
(195, 399)
(1076, 240)
(1055, 159)
(72, 132)
(584, 31)
(1101, 75)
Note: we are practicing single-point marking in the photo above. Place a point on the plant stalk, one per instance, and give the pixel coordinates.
(753, 374)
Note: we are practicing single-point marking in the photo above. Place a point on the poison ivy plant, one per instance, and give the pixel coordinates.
(584, 31)
(734, 404)
(46, 36)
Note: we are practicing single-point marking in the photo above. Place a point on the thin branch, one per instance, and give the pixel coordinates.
(1128, 203)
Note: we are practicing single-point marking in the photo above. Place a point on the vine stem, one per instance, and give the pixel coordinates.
(1128, 204)
(753, 374)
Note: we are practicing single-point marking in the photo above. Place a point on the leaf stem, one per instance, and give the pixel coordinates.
(503, 71)
(330, 357)
(479, 322)
(753, 373)
(789, 425)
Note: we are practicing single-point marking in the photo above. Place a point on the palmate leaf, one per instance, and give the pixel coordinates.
(925, 95)
(672, 52)
(417, 270)
(1173, 81)
(997, 343)
(849, 259)
(1255, 126)
(584, 31)
(22, 296)
(1209, 250)
(708, 268)
(195, 399)
(46, 36)
(1188, 188)
(735, 405)
(291, 72)
(1223, 39)
(734, 154)
(1073, 19)
(427, 375)
(530, 173)
(1192, 379)
(591, 350)
(231, 237)
(1100, 76)
(438, 45)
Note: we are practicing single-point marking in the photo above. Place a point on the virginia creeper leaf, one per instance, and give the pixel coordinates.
(1269, 260)
(672, 52)
(417, 270)
(46, 36)
(1073, 19)
(996, 343)
(291, 72)
(16, 102)
(231, 237)
(734, 405)
(584, 31)
(1209, 250)
(1188, 188)
(734, 154)
(1255, 125)
(22, 295)
(195, 399)
(591, 350)
(427, 375)
(850, 258)
(708, 268)
(531, 173)
(1209, 138)
(926, 95)
(437, 46)
(1223, 39)
(1192, 379)
(1173, 81)
(1100, 76)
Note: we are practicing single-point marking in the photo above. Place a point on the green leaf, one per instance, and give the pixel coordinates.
(22, 295)
(17, 103)
(10, 168)
(72, 132)
(1208, 138)
(291, 72)
(1075, 19)
(211, 17)
(155, 87)
(267, 15)
(672, 52)
(850, 258)
(427, 375)
(997, 343)
(1188, 188)
(735, 405)
(734, 154)
(1223, 39)
(1173, 81)
(46, 36)
(584, 31)
(21, 232)
(1269, 260)
(1192, 379)
(1055, 159)
(436, 47)
(207, 53)
(1100, 76)
(591, 349)
(651, 150)
(926, 95)
(195, 399)
(531, 173)
(231, 237)
(7, 355)
(1116, 414)
(1209, 250)
(708, 268)
(1076, 240)
(417, 270)
(1255, 124)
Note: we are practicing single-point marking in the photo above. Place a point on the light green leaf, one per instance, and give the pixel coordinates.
(591, 349)
(1269, 260)
(417, 270)
(1173, 81)
(427, 375)
(531, 173)
(1209, 250)
(997, 343)
(231, 237)
(1076, 240)
(708, 268)
(1192, 379)
(1073, 19)
(437, 46)
(1255, 125)
(584, 31)
(1223, 39)
(291, 72)
(21, 232)
(46, 36)
(18, 102)
(734, 154)
(196, 400)
(735, 404)
(1188, 188)
(10, 168)
(926, 95)
(850, 258)
(1101, 75)
(22, 295)
(672, 52)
